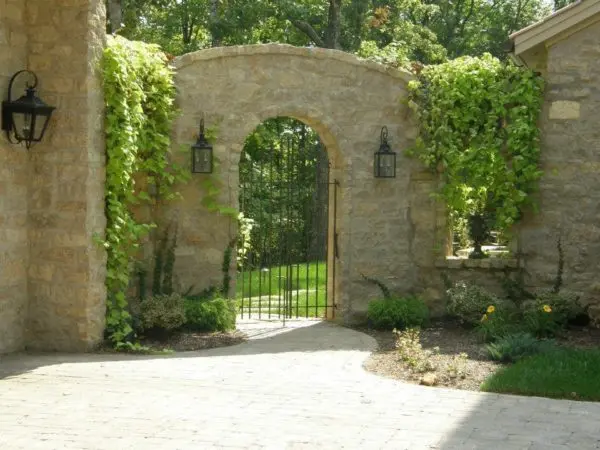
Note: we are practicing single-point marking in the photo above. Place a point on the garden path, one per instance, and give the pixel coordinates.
(302, 387)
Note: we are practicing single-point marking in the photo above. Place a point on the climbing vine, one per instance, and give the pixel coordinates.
(213, 187)
(478, 127)
(139, 97)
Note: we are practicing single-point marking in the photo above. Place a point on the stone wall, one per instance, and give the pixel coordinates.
(431, 244)
(342, 98)
(67, 269)
(14, 249)
(52, 294)
(570, 189)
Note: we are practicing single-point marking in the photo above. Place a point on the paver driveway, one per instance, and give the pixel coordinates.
(300, 389)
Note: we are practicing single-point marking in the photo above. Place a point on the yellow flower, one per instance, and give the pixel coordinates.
(547, 308)
(491, 309)
(484, 318)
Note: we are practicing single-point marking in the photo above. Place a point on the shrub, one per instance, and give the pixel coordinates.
(542, 321)
(468, 302)
(565, 305)
(161, 313)
(499, 321)
(400, 313)
(513, 347)
(549, 312)
(210, 315)
(410, 350)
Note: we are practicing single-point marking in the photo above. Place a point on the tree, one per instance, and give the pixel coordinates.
(178, 26)
(474, 27)
(115, 14)
(394, 35)
(398, 30)
(558, 4)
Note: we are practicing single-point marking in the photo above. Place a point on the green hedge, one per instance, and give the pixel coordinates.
(400, 313)
(210, 315)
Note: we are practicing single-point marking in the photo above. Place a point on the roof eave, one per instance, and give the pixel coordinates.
(553, 25)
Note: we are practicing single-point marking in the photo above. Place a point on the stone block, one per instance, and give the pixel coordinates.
(565, 110)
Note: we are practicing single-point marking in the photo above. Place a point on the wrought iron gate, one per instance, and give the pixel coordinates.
(285, 267)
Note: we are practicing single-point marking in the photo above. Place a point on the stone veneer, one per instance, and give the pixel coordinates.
(52, 273)
(570, 189)
(14, 177)
(344, 99)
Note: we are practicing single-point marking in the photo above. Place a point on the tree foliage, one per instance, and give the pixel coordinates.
(478, 122)
(420, 30)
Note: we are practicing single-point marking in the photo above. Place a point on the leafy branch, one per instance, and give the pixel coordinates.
(139, 96)
(478, 120)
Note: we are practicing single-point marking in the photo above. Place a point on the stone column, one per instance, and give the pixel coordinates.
(14, 248)
(67, 268)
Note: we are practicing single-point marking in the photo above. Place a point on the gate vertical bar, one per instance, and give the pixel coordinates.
(251, 259)
(258, 270)
(327, 249)
(307, 231)
(242, 208)
(281, 225)
(335, 249)
(270, 228)
(316, 212)
(288, 228)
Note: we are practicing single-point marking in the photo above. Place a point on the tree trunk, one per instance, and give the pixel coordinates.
(332, 33)
(214, 19)
(334, 23)
(115, 15)
(320, 219)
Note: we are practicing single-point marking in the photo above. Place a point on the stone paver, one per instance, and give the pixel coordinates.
(299, 388)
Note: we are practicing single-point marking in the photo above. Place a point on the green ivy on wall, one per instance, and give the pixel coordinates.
(139, 96)
(478, 127)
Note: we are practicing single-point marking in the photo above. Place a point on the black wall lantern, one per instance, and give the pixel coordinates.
(25, 119)
(385, 158)
(202, 153)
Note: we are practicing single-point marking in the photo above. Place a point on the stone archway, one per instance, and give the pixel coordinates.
(346, 101)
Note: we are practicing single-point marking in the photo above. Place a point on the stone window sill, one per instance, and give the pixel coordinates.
(485, 264)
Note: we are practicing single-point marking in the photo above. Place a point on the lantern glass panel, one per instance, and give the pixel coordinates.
(30, 127)
(202, 160)
(385, 165)
(22, 126)
(41, 124)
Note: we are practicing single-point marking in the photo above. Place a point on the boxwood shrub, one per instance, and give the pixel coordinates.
(216, 314)
(397, 312)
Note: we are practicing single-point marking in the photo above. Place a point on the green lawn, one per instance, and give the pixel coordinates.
(265, 291)
(563, 373)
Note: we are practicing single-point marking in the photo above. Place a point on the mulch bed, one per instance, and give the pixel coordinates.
(184, 341)
(189, 341)
(452, 340)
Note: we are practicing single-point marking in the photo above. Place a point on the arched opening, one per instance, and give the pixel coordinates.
(286, 247)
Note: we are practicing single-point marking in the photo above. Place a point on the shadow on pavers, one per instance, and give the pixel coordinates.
(267, 338)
